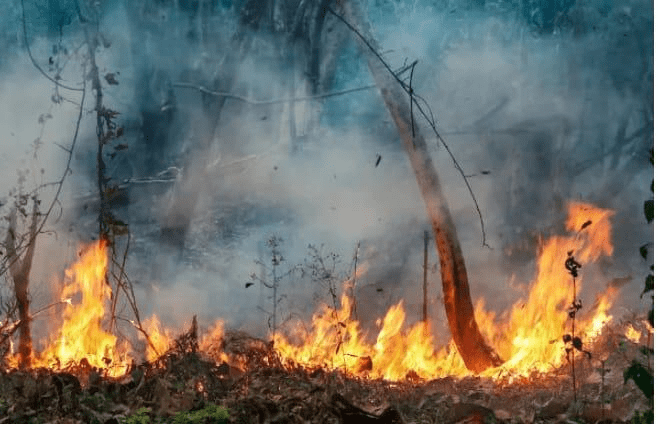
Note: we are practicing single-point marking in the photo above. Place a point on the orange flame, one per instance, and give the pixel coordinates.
(160, 338)
(81, 338)
(632, 334)
(81, 335)
(528, 336)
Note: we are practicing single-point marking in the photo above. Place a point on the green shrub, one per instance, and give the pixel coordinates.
(141, 416)
(211, 414)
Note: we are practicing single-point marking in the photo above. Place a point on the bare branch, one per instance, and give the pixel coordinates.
(427, 115)
(34, 62)
(205, 90)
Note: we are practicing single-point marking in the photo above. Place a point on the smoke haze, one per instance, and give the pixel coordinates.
(536, 113)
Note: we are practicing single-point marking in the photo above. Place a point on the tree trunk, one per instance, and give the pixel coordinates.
(20, 273)
(477, 355)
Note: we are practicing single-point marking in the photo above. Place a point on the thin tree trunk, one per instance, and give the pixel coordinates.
(477, 355)
(426, 240)
(20, 273)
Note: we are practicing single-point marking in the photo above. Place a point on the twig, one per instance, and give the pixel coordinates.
(205, 90)
(52, 305)
(425, 115)
(59, 184)
(34, 62)
(11, 332)
(356, 261)
(209, 92)
(141, 330)
(411, 98)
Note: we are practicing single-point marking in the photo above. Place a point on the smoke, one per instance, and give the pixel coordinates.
(534, 117)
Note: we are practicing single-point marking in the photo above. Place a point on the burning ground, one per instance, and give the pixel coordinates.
(267, 392)
(336, 372)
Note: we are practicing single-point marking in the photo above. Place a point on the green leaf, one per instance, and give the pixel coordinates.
(646, 350)
(644, 251)
(641, 376)
(648, 210)
(648, 284)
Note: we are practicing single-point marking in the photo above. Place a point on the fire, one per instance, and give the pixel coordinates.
(160, 338)
(81, 336)
(528, 336)
(633, 335)
(211, 343)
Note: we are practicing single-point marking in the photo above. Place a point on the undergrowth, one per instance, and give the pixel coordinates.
(211, 414)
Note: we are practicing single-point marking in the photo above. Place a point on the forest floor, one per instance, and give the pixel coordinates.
(185, 386)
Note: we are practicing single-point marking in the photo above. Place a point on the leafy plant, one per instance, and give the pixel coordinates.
(211, 414)
(645, 417)
(574, 343)
(641, 374)
(96, 401)
(644, 251)
(141, 416)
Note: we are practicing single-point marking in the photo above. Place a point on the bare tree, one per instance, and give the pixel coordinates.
(20, 274)
(477, 355)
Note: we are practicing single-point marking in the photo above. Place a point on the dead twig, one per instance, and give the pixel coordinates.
(8, 262)
(207, 91)
(426, 114)
(34, 62)
(255, 102)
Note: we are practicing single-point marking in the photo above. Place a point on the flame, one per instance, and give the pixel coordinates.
(160, 338)
(632, 334)
(82, 340)
(81, 336)
(528, 336)
(211, 343)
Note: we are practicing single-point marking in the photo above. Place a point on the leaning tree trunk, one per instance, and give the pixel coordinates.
(20, 273)
(477, 355)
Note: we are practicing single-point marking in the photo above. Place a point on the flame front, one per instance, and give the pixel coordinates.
(528, 336)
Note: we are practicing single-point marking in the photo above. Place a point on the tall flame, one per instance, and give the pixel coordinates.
(81, 339)
(82, 335)
(528, 336)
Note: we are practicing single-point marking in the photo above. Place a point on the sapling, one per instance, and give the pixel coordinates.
(272, 281)
(322, 270)
(573, 343)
